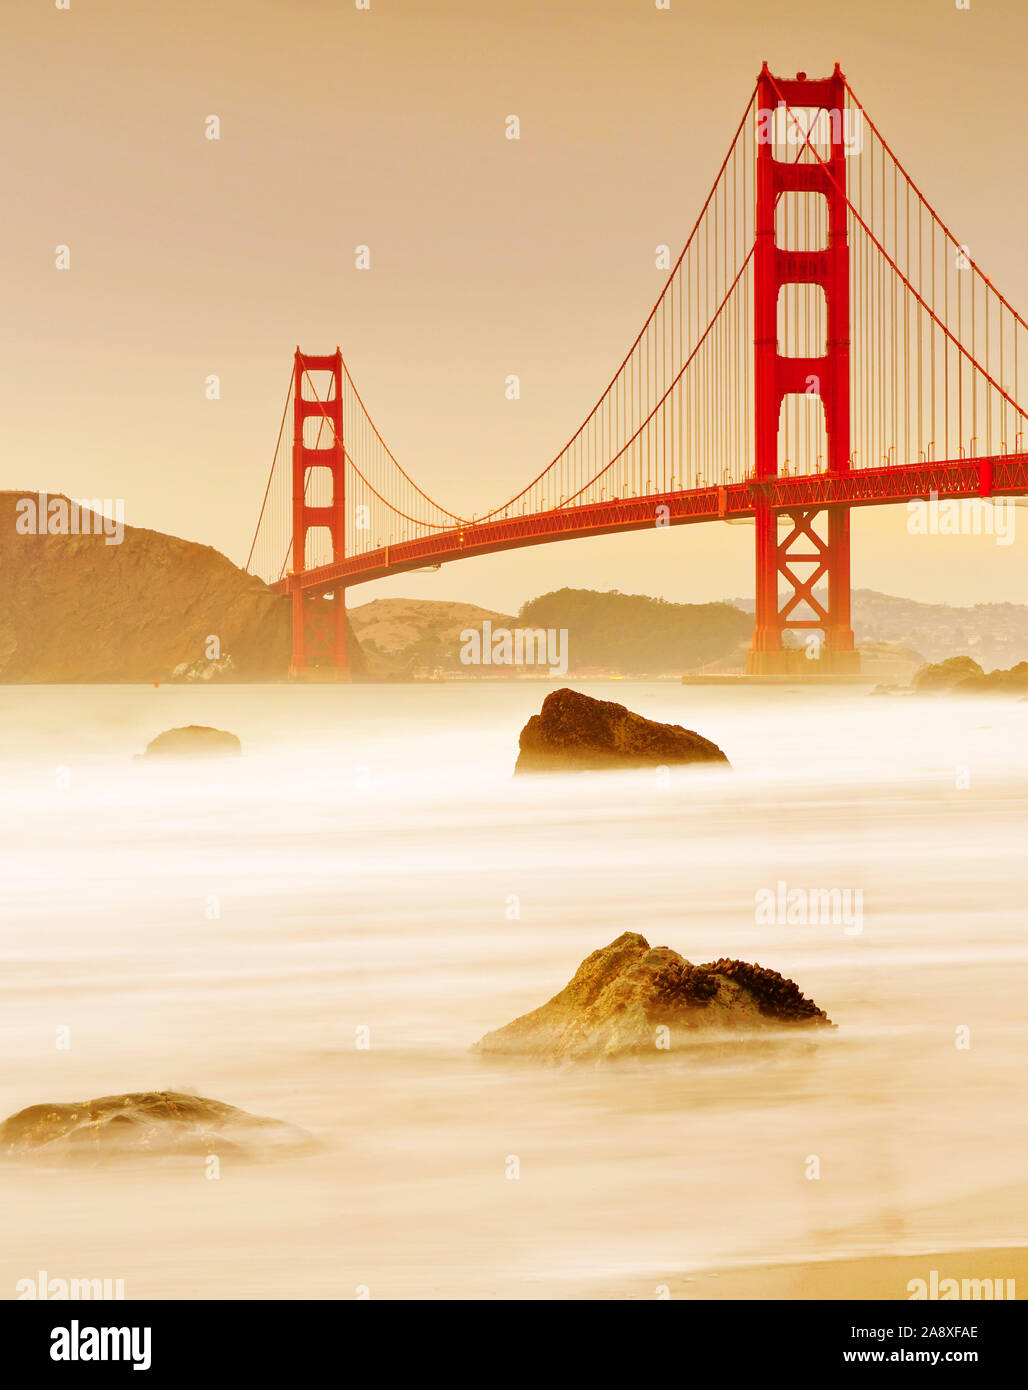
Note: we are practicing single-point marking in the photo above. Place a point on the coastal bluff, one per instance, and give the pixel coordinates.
(130, 605)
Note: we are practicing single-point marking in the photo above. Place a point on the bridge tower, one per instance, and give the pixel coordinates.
(827, 552)
(319, 621)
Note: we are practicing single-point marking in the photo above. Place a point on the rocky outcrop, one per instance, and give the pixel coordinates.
(193, 741)
(1010, 682)
(944, 675)
(959, 675)
(221, 668)
(574, 732)
(141, 1123)
(633, 999)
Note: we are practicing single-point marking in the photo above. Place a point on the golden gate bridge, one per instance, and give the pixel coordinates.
(823, 342)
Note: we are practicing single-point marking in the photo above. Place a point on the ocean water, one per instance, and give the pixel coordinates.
(369, 869)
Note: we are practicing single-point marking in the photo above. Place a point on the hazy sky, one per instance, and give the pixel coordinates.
(385, 127)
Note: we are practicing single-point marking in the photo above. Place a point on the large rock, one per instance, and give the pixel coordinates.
(193, 741)
(623, 994)
(944, 675)
(995, 682)
(959, 675)
(142, 1122)
(574, 732)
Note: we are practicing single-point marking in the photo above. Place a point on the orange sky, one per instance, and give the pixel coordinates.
(386, 127)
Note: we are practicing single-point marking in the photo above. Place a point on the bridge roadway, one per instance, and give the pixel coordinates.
(997, 475)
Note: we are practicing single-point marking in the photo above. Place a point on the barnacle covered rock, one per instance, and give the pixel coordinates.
(633, 998)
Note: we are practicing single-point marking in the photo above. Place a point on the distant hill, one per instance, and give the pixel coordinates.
(615, 633)
(995, 634)
(414, 635)
(608, 634)
(632, 634)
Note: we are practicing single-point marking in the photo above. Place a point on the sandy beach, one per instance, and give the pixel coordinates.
(872, 1277)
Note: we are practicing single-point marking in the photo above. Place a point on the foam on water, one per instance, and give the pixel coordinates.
(231, 927)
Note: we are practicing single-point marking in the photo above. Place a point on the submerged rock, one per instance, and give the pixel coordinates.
(194, 741)
(142, 1122)
(623, 994)
(575, 732)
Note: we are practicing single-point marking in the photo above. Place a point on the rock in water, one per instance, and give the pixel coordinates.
(194, 741)
(944, 675)
(622, 994)
(142, 1122)
(221, 668)
(575, 732)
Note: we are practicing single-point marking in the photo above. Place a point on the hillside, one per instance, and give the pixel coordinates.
(419, 634)
(608, 634)
(73, 608)
(623, 634)
(636, 635)
(995, 634)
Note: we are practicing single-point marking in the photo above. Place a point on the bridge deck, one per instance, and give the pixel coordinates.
(1005, 474)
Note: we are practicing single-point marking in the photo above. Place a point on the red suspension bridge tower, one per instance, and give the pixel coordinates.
(826, 376)
(319, 620)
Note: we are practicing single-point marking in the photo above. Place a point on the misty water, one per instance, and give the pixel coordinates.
(371, 864)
